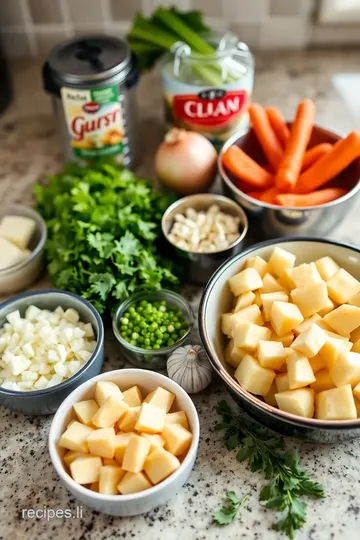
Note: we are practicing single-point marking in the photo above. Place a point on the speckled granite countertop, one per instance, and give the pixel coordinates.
(29, 152)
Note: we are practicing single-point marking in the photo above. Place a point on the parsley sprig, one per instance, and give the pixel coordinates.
(230, 510)
(287, 481)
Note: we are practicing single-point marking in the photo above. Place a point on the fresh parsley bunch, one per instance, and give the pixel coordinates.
(287, 481)
(104, 233)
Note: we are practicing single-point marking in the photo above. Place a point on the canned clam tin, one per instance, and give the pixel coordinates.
(92, 81)
(209, 94)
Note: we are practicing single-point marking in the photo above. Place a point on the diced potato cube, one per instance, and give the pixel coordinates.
(355, 300)
(305, 274)
(246, 280)
(284, 317)
(323, 381)
(17, 229)
(317, 363)
(281, 259)
(305, 325)
(325, 310)
(120, 443)
(270, 396)
(286, 280)
(160, 398)
(128, 421)
(356, 347)
(336, 404)
(233, 354)
(135, 454)
(271, 354)
(160, 464)
(85, 410)
(226, 323)
(109, 413)
(269, 298)
(250, 314)
(253, 377)
(342, 286)
(337, 336)
(248, 336)
(70, 456)
(109, 479)
(154, 439)
(311, 298)
(355, 335)
(10, 254)
(270, 284)
(111, 462)
(282, 382)
(346, 369)
(177, 439)
(244, 300)
(75, 437)
(332, 349)
(327, 267)
(357, 405)
(356, 392)
(299, 371)
(151, 419)
(101, 442)
(133, 396)
(178, 417)
(106, 389)
(311, 341)
(299, 402)
(259, 264)
(344, 319)
(86, 469)
(286, 339)
(133, 483)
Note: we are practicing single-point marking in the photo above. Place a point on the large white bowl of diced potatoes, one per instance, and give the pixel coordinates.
(125, 441)
(281, 325)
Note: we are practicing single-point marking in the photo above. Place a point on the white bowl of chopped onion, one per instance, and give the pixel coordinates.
(50, 342)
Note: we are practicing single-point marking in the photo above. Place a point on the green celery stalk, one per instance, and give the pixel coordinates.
(183, 31)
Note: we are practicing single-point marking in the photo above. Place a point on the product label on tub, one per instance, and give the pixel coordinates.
(215, 112)
(94, 121)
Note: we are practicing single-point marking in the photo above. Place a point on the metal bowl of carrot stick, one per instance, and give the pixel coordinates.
(268, 220)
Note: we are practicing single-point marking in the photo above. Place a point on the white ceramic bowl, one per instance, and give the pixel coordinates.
(217, 299)
(136, 503)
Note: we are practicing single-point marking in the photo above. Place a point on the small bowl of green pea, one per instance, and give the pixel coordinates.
(150, 325)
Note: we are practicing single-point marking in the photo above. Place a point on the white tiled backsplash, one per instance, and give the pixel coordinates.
(32, 27)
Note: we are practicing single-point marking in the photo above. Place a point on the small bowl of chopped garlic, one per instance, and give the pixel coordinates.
(205, 229)
(50, 342)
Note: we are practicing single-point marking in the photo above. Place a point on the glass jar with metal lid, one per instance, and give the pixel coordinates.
(92, 81)
(209, 93)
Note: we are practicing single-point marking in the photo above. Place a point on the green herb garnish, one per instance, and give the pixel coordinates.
(287, 481)
(229, 511)
(104, 233)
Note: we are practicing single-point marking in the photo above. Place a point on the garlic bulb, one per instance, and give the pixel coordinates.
(189, 367)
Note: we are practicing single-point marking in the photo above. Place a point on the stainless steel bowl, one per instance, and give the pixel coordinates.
(47, 401)
(217, 299)
(200, 266)
(271, 221)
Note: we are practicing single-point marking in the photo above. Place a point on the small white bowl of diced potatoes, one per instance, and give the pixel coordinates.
(281, 325)
(22, 243)
(125, 441)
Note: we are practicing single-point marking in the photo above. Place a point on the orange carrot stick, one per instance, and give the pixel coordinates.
(278, 124)
(289, 169)
(269, 195)
(315, 198)
(315, 153)
(330, 165)
(245, 168)
(265, 135)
